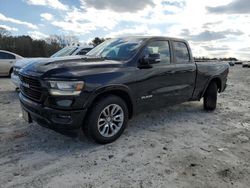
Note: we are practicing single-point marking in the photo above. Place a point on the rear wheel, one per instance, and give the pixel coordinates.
(210, 97)
(106, 120)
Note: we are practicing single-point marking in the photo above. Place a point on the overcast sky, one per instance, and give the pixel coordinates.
(214, 28)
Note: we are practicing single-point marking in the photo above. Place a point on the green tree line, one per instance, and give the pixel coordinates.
(28, 47)
(215, 59)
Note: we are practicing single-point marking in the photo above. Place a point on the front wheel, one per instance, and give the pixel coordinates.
(106, 120)
(10, 72)
(210, 97)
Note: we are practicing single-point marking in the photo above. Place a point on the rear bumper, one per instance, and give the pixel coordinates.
(52, 118)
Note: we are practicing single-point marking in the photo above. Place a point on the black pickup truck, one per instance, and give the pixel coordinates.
(121, 77)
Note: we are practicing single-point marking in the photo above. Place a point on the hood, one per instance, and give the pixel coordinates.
(70, 66)
(25, 61)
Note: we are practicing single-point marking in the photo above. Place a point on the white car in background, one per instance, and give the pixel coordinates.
(66, 51)
(246, 64)
(7, 60)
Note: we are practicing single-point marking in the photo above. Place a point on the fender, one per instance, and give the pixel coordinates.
(209, 81)
(109, 89)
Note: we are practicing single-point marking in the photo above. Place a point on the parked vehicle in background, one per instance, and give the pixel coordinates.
(231, 63)
(117, 79)
(246, 64)
(238, 62)
(7, 60)
(72, 50)
(66, 51)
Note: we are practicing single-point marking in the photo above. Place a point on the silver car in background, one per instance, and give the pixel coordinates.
(7, 60)
(246, 64)
(66, 51)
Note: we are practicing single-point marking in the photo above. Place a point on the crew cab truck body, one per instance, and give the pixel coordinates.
(99, 92)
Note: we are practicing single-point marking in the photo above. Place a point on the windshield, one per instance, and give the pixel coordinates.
(117, 49)
(67, 51)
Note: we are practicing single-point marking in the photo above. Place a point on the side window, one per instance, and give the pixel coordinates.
(181, 52)
(82, 52)
(159, 47)
(1, 55)
(4, 55)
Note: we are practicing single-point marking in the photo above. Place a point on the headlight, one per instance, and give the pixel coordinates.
(66, 88)
(17, 69)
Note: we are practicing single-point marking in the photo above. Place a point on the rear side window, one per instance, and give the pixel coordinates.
(4, 55)
(181, 52)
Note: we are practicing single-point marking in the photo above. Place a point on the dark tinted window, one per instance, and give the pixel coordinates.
(84, 51)
(159, 47)
(4, 55)
(181, 52)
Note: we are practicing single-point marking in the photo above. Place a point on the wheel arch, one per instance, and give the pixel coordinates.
(121, 91)
(10, 71)
(218, 82)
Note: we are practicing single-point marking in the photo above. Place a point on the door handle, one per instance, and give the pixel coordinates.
(11, 61)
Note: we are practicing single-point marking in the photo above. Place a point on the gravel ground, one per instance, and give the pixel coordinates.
(180, 146)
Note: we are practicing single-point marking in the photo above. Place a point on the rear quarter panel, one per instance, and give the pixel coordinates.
(206, 71)
(5, 67)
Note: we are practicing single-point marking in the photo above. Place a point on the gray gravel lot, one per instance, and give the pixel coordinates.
(180, 146)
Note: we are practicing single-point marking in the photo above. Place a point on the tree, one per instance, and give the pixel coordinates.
(4, 32)
(215, 59)
(96, 41)
(63, 40)
(27, 47)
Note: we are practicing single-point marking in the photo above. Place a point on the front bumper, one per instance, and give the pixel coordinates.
(53, 118)
(15, 79)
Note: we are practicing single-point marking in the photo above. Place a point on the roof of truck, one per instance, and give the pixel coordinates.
(152, 37)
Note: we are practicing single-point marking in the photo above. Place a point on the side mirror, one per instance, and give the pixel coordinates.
(154, 58)
(150, 59)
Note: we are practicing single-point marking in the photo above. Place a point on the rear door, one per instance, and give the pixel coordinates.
(185, 70)
(7, 60)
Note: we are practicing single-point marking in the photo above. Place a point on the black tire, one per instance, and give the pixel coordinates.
(90, 126)
(11, 70)
(210, 97)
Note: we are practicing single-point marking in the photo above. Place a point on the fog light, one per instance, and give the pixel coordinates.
(64, 116)
(61, 119)
(64, 103)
